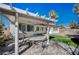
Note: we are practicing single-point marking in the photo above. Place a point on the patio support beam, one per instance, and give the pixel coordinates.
(16, 35)
(48, 34)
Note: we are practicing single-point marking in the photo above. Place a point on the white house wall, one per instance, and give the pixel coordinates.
(26, 21)
(30, 21)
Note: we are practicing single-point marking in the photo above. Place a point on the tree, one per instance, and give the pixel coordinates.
(76, 10)
(1, 36)
(53, 14)
(73, 25)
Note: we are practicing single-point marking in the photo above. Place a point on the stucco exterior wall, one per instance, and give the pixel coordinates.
(27, 21)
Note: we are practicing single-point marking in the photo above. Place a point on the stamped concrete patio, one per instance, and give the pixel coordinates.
(52, 49)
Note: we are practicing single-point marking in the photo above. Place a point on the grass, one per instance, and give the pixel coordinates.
(63, 39)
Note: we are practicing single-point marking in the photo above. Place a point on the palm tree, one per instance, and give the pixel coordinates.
(53, 14)
(76, 10)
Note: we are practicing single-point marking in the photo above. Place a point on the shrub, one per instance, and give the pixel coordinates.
(63, 39)
(1, 36)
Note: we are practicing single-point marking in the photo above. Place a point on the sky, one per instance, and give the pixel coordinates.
(64, 11)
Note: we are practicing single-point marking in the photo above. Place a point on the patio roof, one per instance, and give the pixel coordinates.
(22, 13)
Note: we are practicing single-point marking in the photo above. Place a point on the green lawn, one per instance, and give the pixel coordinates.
(63, 39)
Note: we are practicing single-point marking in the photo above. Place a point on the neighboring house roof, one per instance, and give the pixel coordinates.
(7, 7)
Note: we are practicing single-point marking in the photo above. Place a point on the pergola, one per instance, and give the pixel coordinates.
(7, 10)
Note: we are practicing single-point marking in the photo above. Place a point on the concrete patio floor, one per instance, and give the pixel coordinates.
(52, 49)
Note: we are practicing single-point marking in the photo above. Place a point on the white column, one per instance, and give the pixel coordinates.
(48, 34)
(16, 34)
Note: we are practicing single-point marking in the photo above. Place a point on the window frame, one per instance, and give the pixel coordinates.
(31, 28)
(22, 27)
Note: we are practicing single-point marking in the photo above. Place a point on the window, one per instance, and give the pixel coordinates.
(42, 28)
(37, 29)
(30, 28)
(22, 27)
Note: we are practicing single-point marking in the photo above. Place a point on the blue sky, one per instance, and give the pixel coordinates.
(6, 21)
(64, 10)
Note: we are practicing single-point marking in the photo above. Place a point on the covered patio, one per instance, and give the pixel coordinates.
(17, 16)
